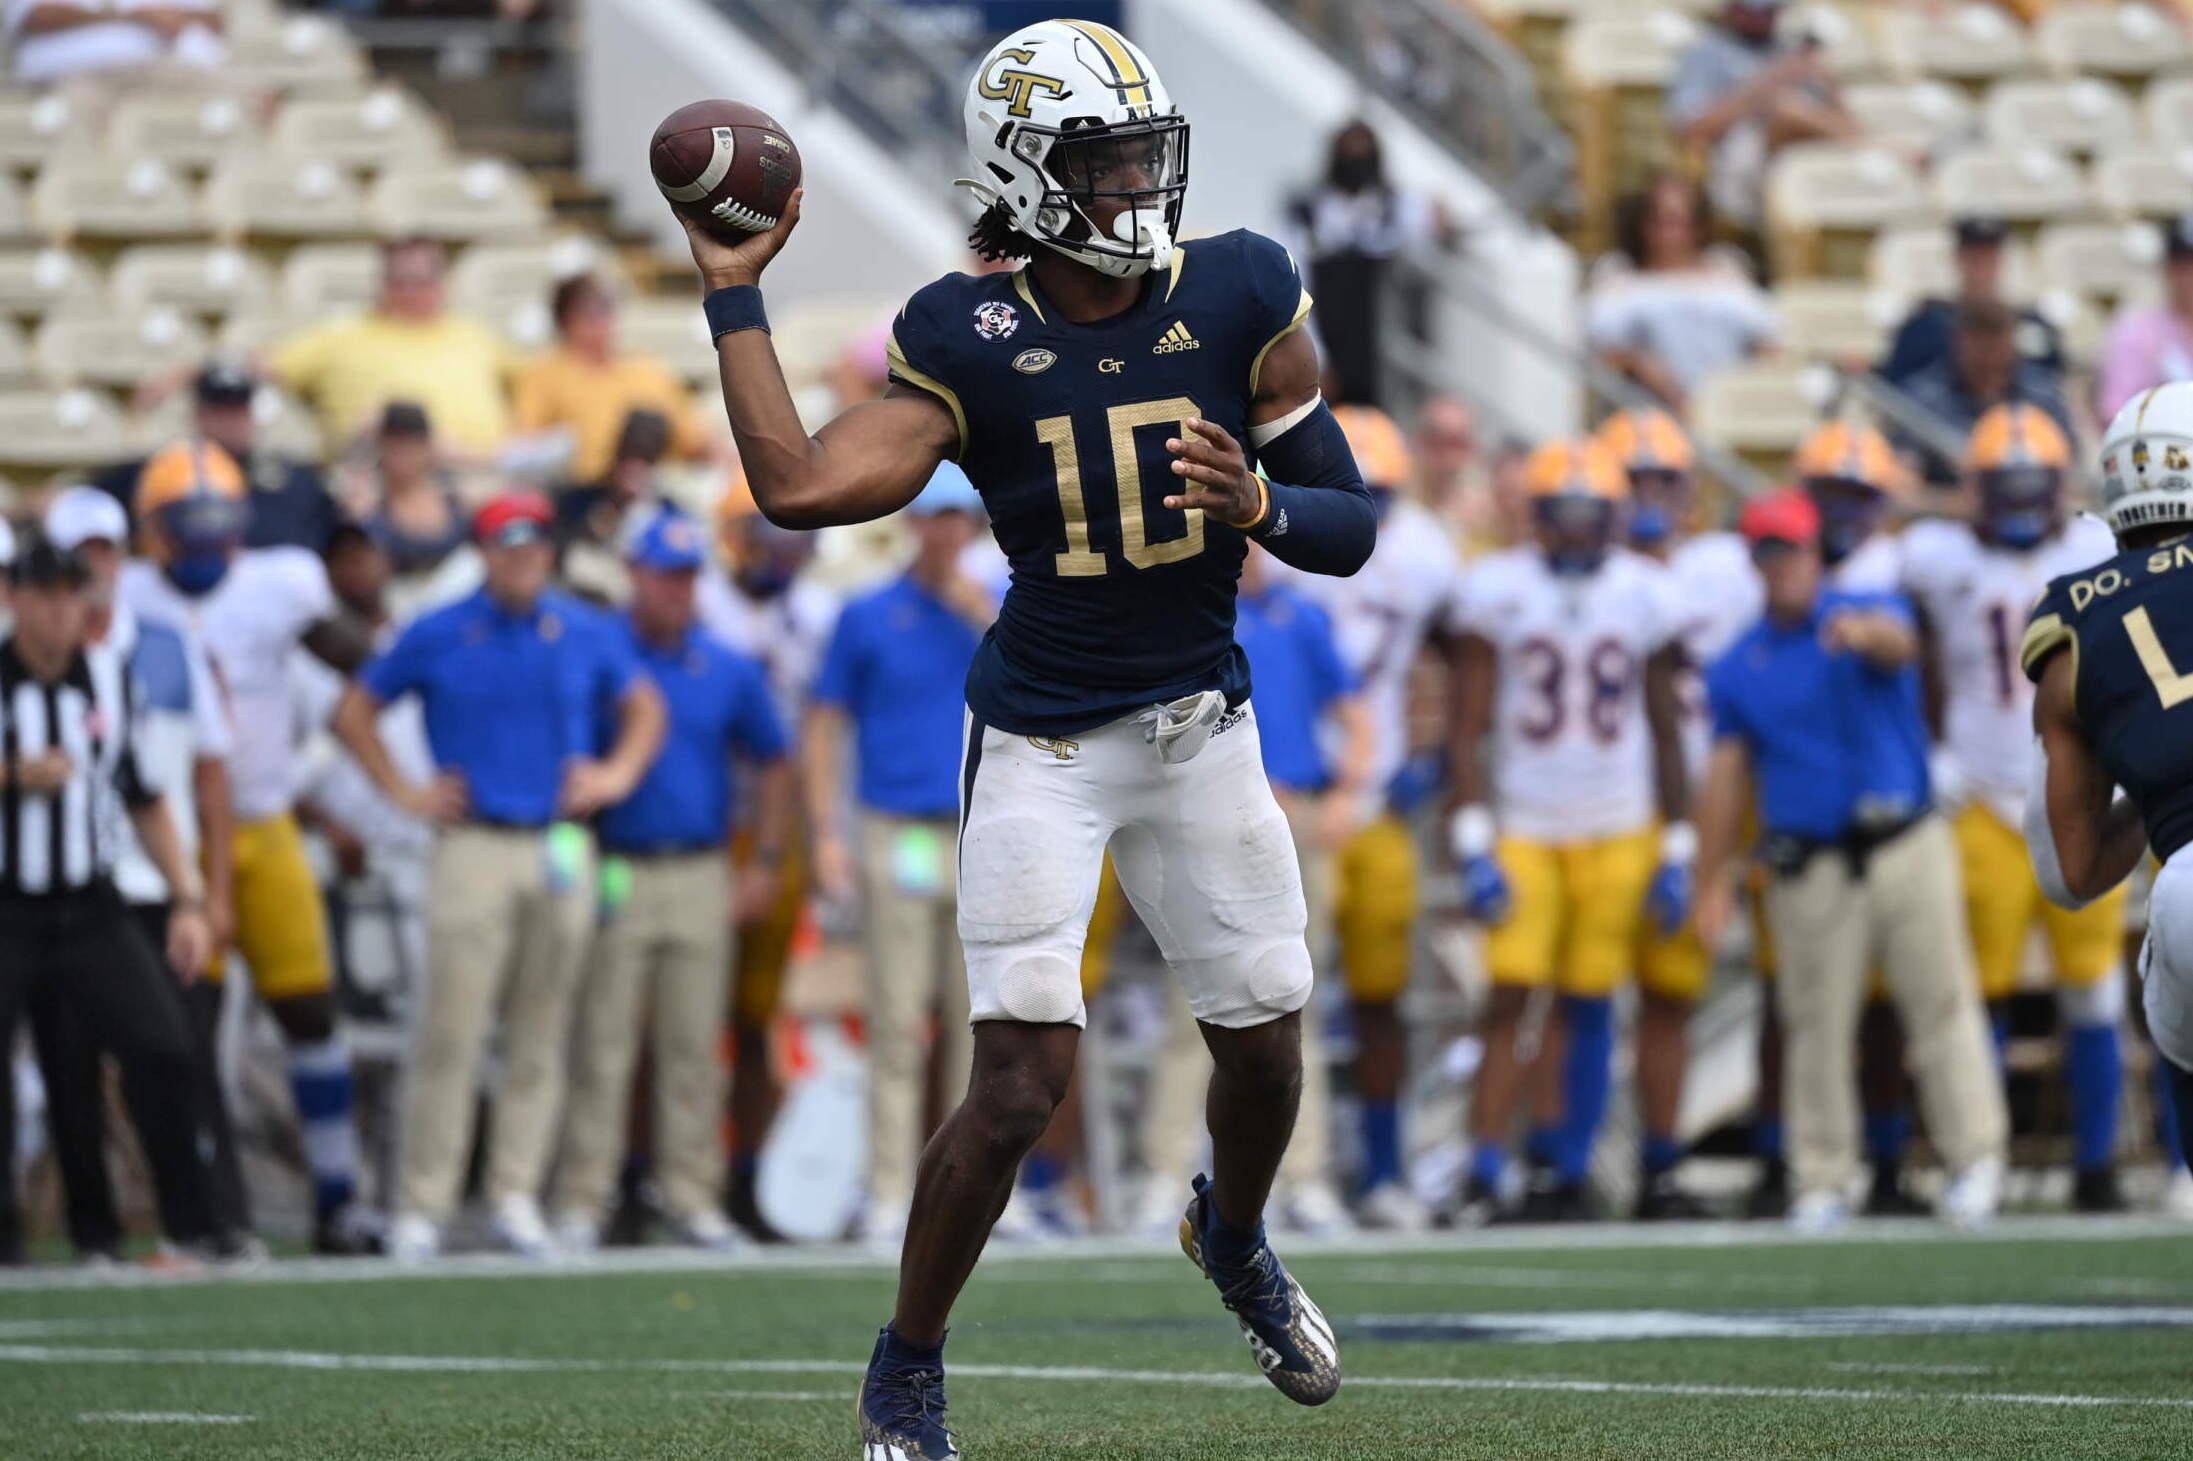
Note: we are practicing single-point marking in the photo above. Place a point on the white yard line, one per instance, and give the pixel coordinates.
(848, 1260)
(159, 1417)
(476, 1364)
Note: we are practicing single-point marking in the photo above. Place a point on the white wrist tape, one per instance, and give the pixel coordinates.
(1471, 831)
(1679, 844)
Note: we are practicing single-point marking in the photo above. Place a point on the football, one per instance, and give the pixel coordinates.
(727, 166)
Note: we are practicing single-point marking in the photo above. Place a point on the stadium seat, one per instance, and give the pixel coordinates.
(1634, 45)
(2025, 184)
(386, 127)
(1911, 264)
(2127, 41)
(1821, 192)
(42, 430)
(1835, 319)
(1615, 66)
(115, 348)
(117, 198)
(1911, 115)
(257, 331)
(284, 425)
(674, 331)
(1850, 44)
(1761, 409)
(2146, 180)
(815, 334)
(187, 131)
(1971, 42)
(303, 53)
(280, 197)
(475, 198)
(2083, 116)
(16, 365)
(15, 224)
(510, 283)
(329, 279)
(2167, 109)
(2107, 261)
(190, 277)
(34, 130)
(2083, 324)
(36, 282)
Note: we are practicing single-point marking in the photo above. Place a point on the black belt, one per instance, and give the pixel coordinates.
(1788, 854)
(96, 896)
(666, 854)
(497, 824)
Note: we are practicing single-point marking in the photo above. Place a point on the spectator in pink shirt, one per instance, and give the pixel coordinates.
(2151, 344)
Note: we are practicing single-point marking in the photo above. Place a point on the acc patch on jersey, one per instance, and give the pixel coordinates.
(995, 319)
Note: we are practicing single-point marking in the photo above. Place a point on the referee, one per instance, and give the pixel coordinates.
(68, 771)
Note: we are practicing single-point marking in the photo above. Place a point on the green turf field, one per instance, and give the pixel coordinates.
(2052, 1340)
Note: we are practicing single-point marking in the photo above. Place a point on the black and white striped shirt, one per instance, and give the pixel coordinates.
(67, 841)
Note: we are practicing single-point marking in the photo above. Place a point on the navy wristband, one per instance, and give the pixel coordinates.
(734, 309)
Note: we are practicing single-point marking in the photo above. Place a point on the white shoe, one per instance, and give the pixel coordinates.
(578, 1234)
(517, 1225)
(881, 1225)
(2178, 1194)
(1391, 1208)
(1314, 1210)
(1974, 1195)
(706, 1229)
(413, 1239)
(1819, 1212)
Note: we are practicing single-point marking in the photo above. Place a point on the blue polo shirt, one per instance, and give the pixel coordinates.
(1295, 664)
(897, 666)
(508, 698)
(1829, 734)
(719, 707)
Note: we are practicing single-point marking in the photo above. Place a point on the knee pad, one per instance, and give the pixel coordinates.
(1274, 982)
(1036, 989)
(2099, 1003)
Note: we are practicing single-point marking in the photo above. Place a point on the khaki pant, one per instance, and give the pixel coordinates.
(910, 886)
(1906, 915)
(668, 949)
(496, 933)
(1174, 1129)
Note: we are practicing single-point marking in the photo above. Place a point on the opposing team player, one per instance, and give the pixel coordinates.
(1568, 662)
(1108, 401)
(1975, 583)
(2112, 712)
(1717, 594)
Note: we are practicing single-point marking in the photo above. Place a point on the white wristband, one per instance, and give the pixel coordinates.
(1679, 844)
(1471, 831)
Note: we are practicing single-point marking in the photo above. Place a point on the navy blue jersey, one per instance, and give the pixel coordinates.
(2128, 623)
(1116, 601)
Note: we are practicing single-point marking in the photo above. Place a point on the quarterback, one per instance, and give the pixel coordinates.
(1111, 401)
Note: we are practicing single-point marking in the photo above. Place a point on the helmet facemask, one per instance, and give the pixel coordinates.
(1850, 512)
(1659, 502)
(1575, 530)
(1138, 166)
(2020, 506)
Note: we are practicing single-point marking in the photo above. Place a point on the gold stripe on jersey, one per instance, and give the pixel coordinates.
(1180, 263)
(1256, 366)
(2043, 637)
(1027, 295)
(922, 381)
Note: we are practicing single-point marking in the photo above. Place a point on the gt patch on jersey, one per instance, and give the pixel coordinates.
(1117, 601)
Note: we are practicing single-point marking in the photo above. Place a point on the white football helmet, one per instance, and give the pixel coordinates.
(1056, 112)
(2147, 460)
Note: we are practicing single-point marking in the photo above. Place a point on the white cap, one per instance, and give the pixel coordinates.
(81, 514)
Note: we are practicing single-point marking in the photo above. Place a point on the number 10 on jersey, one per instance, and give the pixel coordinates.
(1080, 560)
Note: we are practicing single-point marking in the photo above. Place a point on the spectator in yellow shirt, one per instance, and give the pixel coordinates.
(588, 386)
(408, 347)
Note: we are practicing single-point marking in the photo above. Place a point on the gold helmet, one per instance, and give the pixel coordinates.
(1656, 454)
(191, 501)
(1381, 451)
(1853, 475)
(1576, 491)
(2018, 460)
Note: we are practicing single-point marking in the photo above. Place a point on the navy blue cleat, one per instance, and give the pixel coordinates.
(902, 1411)
(1291, 1338)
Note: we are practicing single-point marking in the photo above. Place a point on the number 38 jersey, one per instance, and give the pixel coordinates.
(1571, 754)
(1976, 597)
(1117, 601)
(2128, 623)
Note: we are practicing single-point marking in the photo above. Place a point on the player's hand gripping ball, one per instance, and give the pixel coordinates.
(727, 168)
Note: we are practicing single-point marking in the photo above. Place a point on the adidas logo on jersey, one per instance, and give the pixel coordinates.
(1176, 340)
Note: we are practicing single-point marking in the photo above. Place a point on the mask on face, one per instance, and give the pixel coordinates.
(1353, 172)
(199, 572)
(1650, 525)
(1846, 521)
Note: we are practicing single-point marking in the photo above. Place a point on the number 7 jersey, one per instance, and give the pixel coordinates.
(1572, 757)
(1117, 602)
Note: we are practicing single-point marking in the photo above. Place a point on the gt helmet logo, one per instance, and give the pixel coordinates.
(1016, 87)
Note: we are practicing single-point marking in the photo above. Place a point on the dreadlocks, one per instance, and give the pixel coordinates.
(996, 237)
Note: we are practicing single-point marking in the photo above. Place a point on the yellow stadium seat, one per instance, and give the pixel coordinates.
(2145, 180)
(323, 279)
(1914, 115)
(275, 196)
(1971, 41)
(112, 197)
(35, 130)
(673, 330)
(187, 131)
(1761, 409)
(2025, 184)
(1835, 319)
(303, 53)
(36, 282)
(116, 348)
(1822, 193)
(2111, 262)
(475, 198)
(1916, 263)
(42, 430)
(2167, 109)
(194, 278)
(2083, 117)
(2128, 41)
(386, 127)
